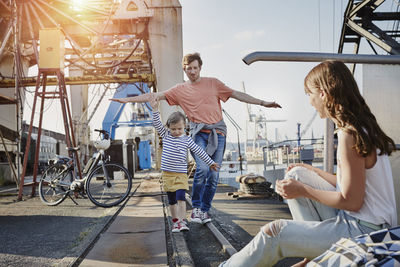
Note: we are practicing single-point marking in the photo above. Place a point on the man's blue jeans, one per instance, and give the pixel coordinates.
(205, 180)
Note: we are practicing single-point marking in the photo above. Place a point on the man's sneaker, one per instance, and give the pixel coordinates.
(205, 218)
(196, 216)
(184, 226)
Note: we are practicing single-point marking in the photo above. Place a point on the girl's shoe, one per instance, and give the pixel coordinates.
(177, 227)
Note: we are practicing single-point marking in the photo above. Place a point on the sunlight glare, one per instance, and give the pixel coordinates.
(77, 5)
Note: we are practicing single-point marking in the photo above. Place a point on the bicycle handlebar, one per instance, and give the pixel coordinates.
(104, 132)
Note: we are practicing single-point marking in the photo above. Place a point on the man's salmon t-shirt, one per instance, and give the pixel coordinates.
(200, 100)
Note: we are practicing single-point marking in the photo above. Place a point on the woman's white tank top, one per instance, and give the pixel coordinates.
(379, 201)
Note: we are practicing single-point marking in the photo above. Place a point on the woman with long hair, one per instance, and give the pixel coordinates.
(325, 207)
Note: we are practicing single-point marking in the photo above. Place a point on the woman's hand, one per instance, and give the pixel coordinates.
(290, 188)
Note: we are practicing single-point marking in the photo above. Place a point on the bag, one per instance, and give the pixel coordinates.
(378, 248)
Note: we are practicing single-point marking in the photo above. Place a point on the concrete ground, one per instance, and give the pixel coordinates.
(238, 220)
(33, 234)
(137, 235)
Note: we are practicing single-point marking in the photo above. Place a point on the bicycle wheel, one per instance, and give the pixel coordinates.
(108, 185)
(54, 185)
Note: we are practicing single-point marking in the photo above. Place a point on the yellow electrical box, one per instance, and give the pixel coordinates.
(51, 54)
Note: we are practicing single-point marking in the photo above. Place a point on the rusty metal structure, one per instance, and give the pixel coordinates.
(40, 92)
(363, 20)
(101, 35)
(107, 42)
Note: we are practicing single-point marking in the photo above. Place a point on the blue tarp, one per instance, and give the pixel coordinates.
(144, 155)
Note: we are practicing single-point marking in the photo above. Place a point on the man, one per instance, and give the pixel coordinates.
(200, 99)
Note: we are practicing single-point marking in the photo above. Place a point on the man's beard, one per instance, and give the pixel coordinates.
(193, 77)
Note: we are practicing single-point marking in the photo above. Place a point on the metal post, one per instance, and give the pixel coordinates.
(39, 135)
(328, 146)
(28, 140)
(166, 50)
(125, 153)
(69, 128)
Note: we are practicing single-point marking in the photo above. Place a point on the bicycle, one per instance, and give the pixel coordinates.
(106, 184)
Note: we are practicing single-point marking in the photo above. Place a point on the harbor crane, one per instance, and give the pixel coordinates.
(104, 42)
(260, 123)
(301, 134)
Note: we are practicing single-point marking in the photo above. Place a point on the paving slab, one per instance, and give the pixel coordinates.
(137, 235)
(33, 234)
(238, 220)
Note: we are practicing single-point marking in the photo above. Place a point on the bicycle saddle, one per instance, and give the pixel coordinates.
(73, 148)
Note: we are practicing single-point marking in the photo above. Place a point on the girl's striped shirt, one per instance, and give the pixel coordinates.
(174, 153)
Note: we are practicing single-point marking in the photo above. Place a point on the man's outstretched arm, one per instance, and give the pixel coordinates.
(243, 97)
(141, 98)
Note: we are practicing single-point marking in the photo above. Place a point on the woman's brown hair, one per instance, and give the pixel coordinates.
(346, 105)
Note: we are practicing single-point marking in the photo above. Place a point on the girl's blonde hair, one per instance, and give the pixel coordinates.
(346, 105)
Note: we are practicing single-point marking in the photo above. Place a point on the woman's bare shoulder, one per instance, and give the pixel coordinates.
(345, 137)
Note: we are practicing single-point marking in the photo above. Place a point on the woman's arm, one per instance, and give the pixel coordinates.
(353, 178)
(243, 97)
(140, 98)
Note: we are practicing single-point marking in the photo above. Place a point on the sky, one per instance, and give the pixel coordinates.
(224, 31)
(236, 28)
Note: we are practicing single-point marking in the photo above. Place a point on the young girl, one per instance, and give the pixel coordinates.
(174, 163)
(326, 207)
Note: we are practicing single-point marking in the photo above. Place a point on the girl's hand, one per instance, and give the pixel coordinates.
(154, 103)
(214, 167)
(289, 188)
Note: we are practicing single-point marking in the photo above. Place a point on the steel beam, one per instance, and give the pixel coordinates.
(6, 100)
(318, 57)
(87, 79)
(388, 47)
(6, 37)
(365, 4)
